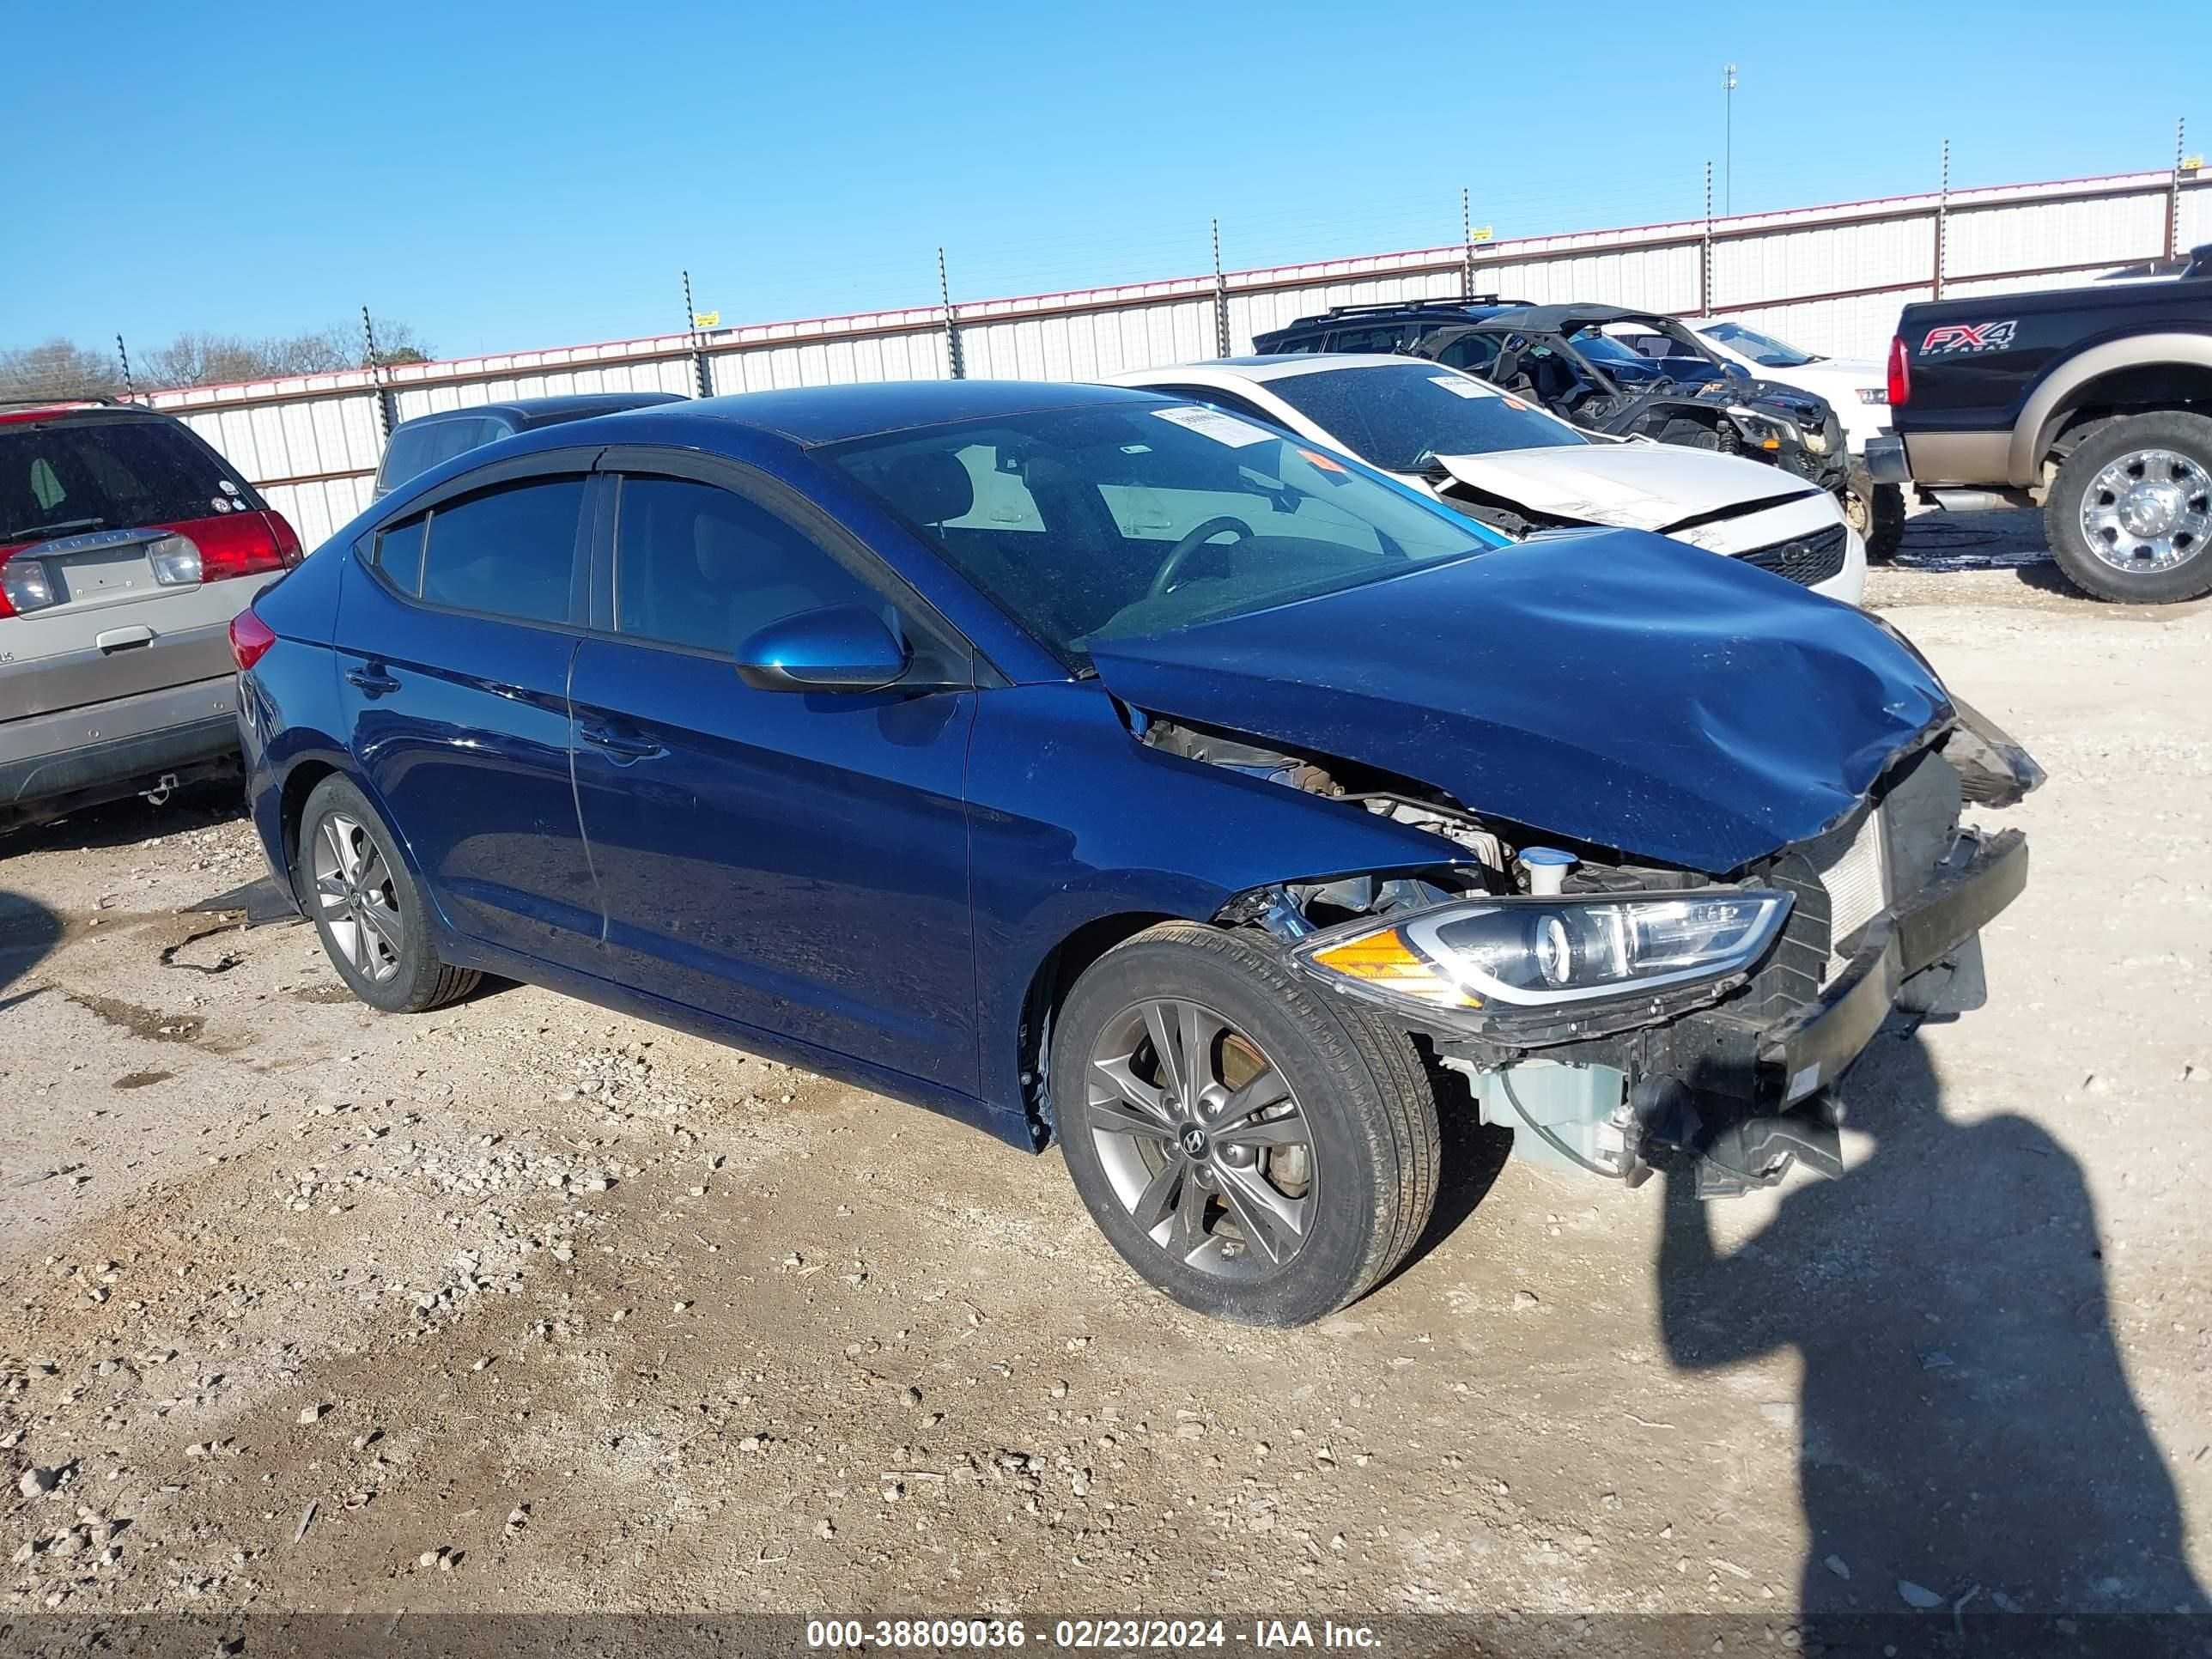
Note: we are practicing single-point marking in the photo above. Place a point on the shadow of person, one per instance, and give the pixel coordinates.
(1968, 1432)
(28, 933)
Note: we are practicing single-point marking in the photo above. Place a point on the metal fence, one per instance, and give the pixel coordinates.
(1830, 279)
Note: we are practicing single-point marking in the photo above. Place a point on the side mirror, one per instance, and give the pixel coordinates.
(844, 648)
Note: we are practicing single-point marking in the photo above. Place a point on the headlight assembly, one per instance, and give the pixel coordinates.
(1764, 432)
(1506, 954)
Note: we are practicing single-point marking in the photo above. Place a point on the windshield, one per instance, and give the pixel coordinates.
(1762, 349)
(1623, 362)
(1112, 521)
(1607, 352)
(80, 476)
(1402, 418)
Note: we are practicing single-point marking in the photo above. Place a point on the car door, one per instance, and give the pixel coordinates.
(454, 638)
(794, 860)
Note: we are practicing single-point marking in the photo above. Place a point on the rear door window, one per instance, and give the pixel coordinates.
(76, 478)
(510, 551)
(416, 449)
(1385, 337)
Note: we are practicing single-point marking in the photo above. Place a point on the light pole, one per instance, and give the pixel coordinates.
(1728, 139)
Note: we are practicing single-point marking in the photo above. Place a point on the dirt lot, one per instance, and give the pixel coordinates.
(524, 1306)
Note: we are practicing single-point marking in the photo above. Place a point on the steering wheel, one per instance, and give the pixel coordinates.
(1179, 555)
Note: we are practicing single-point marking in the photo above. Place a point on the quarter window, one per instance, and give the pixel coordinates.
(701, 567)
(399, 555)
(510, 551)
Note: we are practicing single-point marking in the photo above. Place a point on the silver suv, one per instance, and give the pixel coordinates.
(122, 539)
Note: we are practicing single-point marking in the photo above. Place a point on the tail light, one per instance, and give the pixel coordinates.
(288, 539)
(1900, 373)
(244, 545)
(25, 584)
(249, 639)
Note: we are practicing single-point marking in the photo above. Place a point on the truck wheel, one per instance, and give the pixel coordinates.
(2129, 514)
(1260, 1149)
(1876, 511)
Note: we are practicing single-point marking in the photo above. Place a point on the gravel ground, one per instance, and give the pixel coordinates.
(522, 1305)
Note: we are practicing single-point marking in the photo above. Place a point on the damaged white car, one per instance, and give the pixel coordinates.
(1501, 459)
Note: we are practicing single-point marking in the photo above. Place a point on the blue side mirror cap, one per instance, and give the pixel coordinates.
(845, 647)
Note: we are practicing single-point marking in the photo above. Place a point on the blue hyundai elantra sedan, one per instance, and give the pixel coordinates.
(1110, 770)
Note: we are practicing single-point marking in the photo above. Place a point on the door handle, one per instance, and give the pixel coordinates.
(373, 681)
(123, 639)
(619, 744)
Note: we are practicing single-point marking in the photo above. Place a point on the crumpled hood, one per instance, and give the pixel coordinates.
(1616, 689)
(1767, 396)
(1641, 486)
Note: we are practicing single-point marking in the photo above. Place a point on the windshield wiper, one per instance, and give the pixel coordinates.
(50, 529)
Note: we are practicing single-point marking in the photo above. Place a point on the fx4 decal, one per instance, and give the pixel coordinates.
(1969, 336)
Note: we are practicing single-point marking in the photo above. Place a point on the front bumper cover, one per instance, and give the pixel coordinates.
(1739, 1097)
(1808, 1053)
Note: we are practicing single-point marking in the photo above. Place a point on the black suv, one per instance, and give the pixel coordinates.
(1561, 357)
(1406, 326)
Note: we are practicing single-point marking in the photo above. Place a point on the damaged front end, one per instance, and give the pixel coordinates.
(1696, 836)
(1619, 1016)
(1792, 430)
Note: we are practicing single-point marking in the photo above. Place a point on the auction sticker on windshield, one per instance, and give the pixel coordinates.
(1459, 384)
(1212, 424)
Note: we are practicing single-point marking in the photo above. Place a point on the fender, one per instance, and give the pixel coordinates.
(2051, 401)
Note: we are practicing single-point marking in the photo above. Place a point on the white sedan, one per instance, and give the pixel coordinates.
(1500, 459)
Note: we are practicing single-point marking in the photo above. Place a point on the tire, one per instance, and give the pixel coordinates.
(1690, 434)
(2157, 553)
(1876, 511)
(1341, 1175)
(366, 907)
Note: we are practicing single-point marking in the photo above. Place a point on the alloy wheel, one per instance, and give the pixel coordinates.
(355, 893)
(2147, 511)
(1202, 1138)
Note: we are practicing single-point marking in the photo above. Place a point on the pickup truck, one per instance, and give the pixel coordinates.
(2093, 403)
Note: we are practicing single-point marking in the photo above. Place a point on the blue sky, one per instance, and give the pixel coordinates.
(503, 176)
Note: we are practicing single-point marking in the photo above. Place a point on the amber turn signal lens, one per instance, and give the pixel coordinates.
(1386, 962)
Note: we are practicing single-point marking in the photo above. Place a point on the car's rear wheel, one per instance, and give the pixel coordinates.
(2129, 514)
(1258, 1150)
(371, 915)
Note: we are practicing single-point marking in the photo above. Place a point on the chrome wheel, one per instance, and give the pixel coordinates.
(354, 890)
(2149, 510)
(1201, 1139)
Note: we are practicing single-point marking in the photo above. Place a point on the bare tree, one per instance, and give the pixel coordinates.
(210, 359)
(61, 368)
(58, 369)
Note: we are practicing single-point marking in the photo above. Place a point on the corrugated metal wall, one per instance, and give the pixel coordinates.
(1830, 279)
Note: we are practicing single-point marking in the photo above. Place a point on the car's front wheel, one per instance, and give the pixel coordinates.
(2129, 514)
(1259, 1149)
(373, 918)
(1876, 511)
